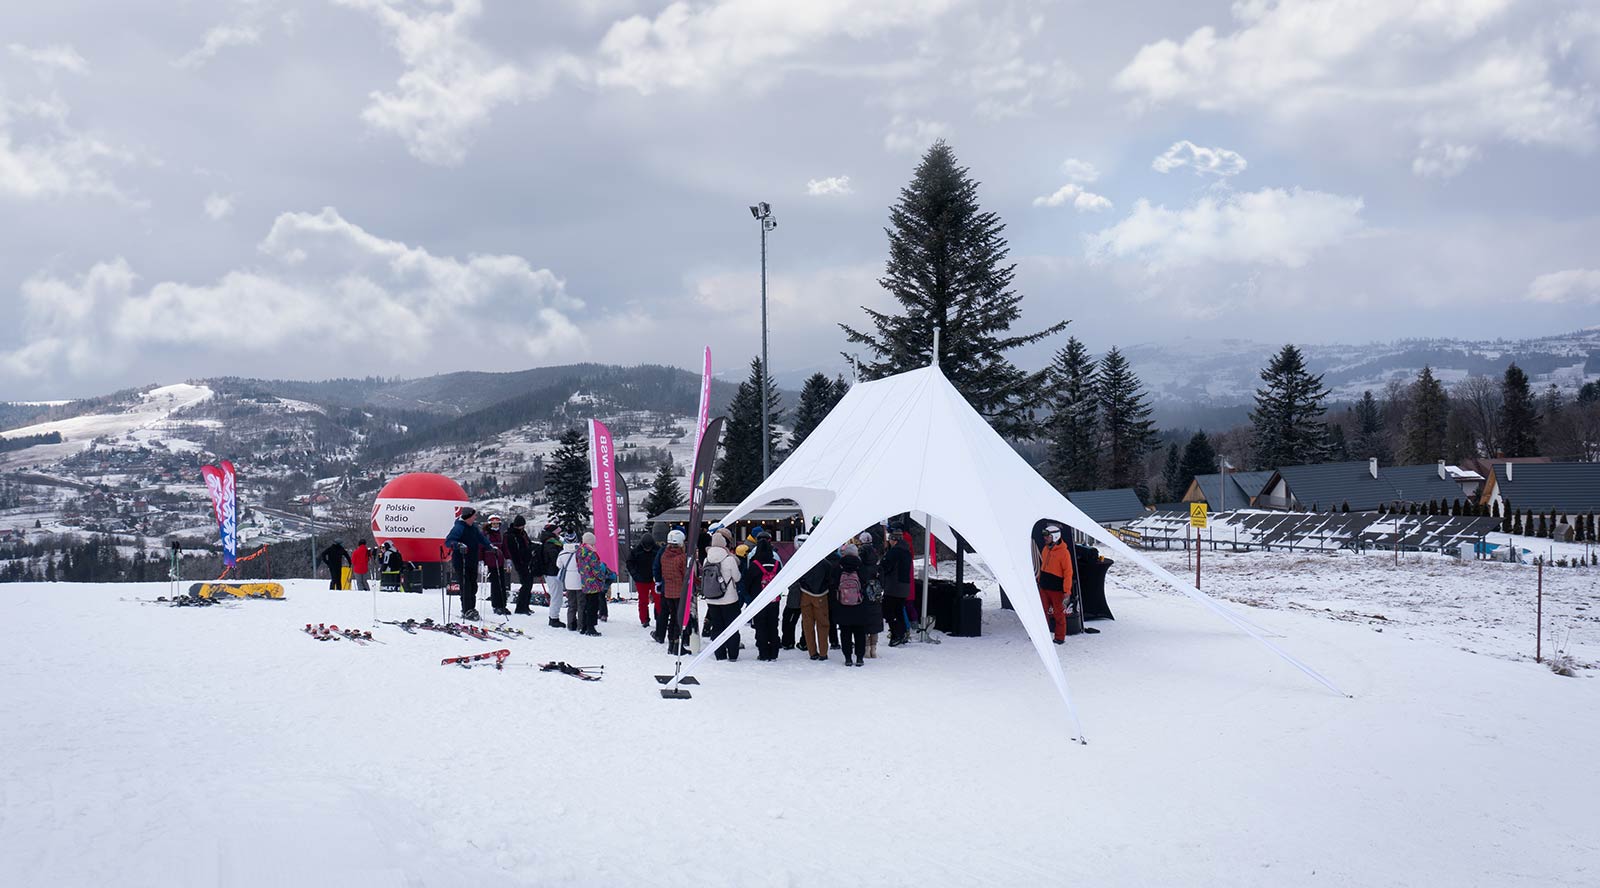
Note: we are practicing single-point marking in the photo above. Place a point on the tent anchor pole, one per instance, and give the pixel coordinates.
(673, 691)
(925, 636)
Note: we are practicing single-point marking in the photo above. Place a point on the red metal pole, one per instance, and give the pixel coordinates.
(1197, 557)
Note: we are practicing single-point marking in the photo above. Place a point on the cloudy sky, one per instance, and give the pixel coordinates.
(309, 188)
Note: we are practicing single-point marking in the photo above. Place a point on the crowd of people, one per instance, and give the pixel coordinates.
(844, 602)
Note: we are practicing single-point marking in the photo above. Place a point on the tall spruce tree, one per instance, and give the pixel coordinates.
(1519, 417)
(817, 397)
(1073, 462)
(948, 269)
(1369, 440)
(1199, 458)
(739, 469)
(567, 481)
(1171, 471)
(665, 492)
(1288, 416)
(1426, 421)
(1126, 430)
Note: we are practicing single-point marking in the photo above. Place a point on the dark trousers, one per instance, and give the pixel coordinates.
(497, 587)
(333, 575)
(854, 641)
(766, 623)
(894, 613)
(722, 616)
(669, 627)
(525, 590)
(591, 610)
(468, 576)
(791, 618)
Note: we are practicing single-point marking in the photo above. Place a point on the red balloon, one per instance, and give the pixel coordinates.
(415, 512)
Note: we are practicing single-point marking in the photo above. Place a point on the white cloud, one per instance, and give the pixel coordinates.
(1204, 161)
(1072, 193)
(1080, 171)
(218, 206)
(1270, 227)
(1575, 285)
(1430, 68)
(452, 83)
(216, 40)
(830, 185)
(319, 266)
(1442, 160)
(699, 45)
(52, 58)
(909, 135)
(43, 156)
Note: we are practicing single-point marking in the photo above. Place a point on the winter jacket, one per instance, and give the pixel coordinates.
(895, 570)
(358, 559)
(752, 575)
(1055, 567)
(466, 544)
(550, 545)
(519, 548)
(728, 575)
(641, 561)
(816, 581)
(569, 573)
(862, 615)
(392, 562)
(673, 572)
(494, 556)
(596, 576)
(334, 556)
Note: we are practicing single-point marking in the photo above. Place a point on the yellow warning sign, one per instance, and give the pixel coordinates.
(1197, 514)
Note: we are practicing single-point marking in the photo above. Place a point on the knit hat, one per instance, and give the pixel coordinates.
(519, 521)
(850, 549)
(467, 512)
(721, 539)
(588, 538)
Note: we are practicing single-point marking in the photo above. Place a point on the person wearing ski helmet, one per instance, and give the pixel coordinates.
(467, 546)
(1055, 579)
(519, 549)
(671, 573)
(335, 557)
(495, 561)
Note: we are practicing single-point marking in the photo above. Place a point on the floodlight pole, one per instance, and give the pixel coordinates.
(763, 214)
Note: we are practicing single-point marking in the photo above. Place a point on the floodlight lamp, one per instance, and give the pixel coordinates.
(755, 212)
(766, 208)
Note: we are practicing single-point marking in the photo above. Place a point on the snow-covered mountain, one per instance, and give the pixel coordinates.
(1226, 373)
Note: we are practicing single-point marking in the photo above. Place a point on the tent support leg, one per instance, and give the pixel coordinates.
(672, 691)
(924, 635)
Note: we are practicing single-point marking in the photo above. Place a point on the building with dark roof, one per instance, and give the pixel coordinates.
(1109, 508)
(1362, 485)
(1570, 489)
(1237, 492)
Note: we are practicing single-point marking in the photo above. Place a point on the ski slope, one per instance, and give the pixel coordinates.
(147, 745)
(138, 421)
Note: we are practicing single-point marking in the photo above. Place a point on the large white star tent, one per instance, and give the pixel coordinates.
(911, 443)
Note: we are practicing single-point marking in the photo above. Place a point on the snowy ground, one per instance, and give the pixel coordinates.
(152, 746)
(142, 421)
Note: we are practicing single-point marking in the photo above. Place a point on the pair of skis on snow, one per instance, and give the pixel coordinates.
(497, 659)
(332, 633)
(461, 630)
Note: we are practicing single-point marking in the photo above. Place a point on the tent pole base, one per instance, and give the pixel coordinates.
(925, 636)
(674, 694)
(686, 680)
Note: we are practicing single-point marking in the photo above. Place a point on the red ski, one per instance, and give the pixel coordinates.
(467, 662)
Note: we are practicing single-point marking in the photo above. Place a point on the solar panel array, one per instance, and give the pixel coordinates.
(1312, 530)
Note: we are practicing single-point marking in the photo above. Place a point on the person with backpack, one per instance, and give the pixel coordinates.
(495, 562)
(390, 568)
(764, 565)
(569, 583)
(519, 550)
(1055, 580)
(671, 573)
(550, 544)
(641, 565)
(336, 557)
(719, 586)
(813, 591)
(894, 571)
(597, 579)
(855, 591)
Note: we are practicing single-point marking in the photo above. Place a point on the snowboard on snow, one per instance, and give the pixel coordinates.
(237, 590)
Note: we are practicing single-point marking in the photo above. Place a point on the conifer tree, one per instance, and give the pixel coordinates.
(739, 469)
(1125, 426)
(1337, 450)
(1426, 421)
(817, 397)
(1171, 469)
(1288, 414)
(1519, 418)
(1369, 440)
(1073, 462)
(567, 481)
(1199, 458)
(948, 270)
(1544, 529)
(665, 492)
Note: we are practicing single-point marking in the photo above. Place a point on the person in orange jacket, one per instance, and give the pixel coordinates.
(1055, 580)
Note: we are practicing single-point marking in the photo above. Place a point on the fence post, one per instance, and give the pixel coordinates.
(1538, 632)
